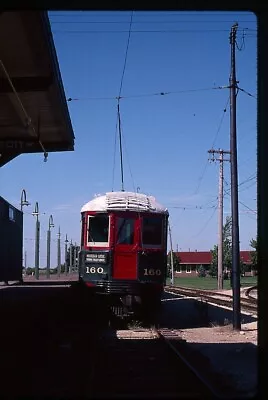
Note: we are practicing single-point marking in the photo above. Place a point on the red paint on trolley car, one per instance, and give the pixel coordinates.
(124, 244)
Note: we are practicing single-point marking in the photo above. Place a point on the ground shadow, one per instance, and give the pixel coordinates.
(230, 368)
(181, 313)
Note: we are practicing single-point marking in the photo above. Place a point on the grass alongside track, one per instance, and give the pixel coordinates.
(210, 283)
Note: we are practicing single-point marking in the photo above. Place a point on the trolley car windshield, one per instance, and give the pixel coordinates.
(152, 231)
(98, 230)
(125, 231)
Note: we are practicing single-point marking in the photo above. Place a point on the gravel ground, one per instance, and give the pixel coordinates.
(232, 354)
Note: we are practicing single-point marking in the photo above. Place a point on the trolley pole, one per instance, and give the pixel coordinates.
(234, 188)
(220, 208)
(66, 252)
(171, 257)
(71, 258)
(50, 225)
(59, 255)
(37, 240)
(120, 143)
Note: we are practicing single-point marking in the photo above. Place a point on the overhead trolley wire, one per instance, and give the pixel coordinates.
(218, 30)
(144, 31)
(147, 22)
(147, 94)
(151, 13)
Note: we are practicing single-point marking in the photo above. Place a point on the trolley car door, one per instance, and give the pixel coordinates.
(125, 255)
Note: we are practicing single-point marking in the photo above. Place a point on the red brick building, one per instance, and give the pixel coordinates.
(190, 261)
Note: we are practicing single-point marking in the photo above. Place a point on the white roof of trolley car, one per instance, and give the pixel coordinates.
(124, 201)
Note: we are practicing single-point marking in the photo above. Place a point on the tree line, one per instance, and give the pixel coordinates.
(227, 255)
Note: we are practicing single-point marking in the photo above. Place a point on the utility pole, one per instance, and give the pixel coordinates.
(23, 202)
(171, 257)
(71, 257)
(25, 261)
(74, 251)
(234, 188)
(50, 225)
(75, 256)
(59, 255)
(37, 240)
(220, 210)
(66, 243)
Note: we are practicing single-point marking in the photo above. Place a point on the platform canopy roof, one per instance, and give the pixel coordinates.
(34, 116)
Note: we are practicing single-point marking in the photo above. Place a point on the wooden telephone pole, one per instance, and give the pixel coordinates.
(220, 209)
(234, 187)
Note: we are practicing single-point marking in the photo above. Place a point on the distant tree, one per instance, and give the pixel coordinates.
(201, 271)
(62, 268)
(242, 268)
(176, 262)
(227, 250)
(213, 268)
(254, 253)
(29, 271)
(53, 271)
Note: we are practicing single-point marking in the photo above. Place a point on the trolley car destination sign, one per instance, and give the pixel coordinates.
(100, 258)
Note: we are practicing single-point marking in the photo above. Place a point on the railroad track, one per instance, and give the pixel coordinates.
(247, 304)
(247, 293)
(145, 363)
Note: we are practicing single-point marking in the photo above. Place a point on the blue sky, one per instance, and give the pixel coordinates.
(166, 138)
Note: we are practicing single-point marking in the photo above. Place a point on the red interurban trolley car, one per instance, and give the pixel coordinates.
(124, 247)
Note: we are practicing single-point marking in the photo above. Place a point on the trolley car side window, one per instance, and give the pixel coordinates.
(98, 230)
(125, 231)
(152, 231)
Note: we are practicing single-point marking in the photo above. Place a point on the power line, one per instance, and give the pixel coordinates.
(243, 204)
(151, 14)
(215, 138)
(247, 187)
(147, 94)
(197, 207)
(207, 222)
(249, 94)
(221, 121)
(191, 207)
(250, 178)
(147, 22)
(144, 31)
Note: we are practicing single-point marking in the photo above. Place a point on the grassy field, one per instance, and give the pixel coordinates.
(210, 283)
